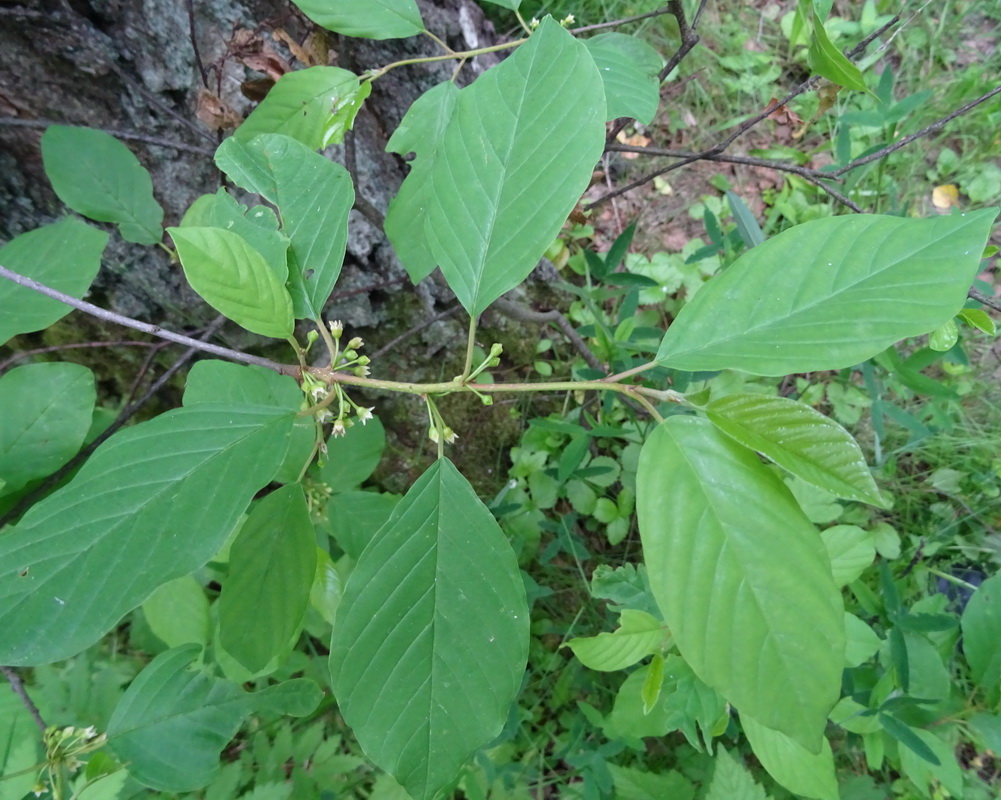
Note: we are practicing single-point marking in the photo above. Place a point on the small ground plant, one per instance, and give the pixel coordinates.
(272, 584)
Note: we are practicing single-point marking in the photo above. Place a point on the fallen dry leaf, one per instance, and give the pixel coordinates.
(945, 196)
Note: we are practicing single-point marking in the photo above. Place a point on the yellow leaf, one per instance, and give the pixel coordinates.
(945, 196)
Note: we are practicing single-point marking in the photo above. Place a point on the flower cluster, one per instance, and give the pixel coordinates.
(62, 746)
(322, 397)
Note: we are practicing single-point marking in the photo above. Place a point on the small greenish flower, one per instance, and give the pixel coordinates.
(365, 414)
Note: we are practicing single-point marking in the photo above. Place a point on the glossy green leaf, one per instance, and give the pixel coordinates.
(799, 439)
(827, 61)
(212, 381)
(944, 336)
(352, 458)
(851, 550)
(981, 624)
(98, 176)
(258, 225)
(290, 175)
(513, 164)
(979, 319)
(802, 772)
(421, 132)
(152, 503)
(639, 634)
(368, 19)
(272, 564)
(65, 255)
(306, 105)
(814, 297)
(233, 278)
(431, 637)
(178, 612)
(650, 693)
(741, 577)
(173, 721)
(47, 412)
(629, 69)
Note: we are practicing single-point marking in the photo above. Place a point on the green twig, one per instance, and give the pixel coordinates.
(470, 346)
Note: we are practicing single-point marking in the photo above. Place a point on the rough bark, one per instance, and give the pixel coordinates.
(137, 67)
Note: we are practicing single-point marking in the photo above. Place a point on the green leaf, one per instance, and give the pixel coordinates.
(944, 771)
(741, 577)
(20, 748)
(861, 641)
(511, 4)
(327, 587)
(178, 612)
(515, 157)
(981, 624)
(827, 61)
(944, 336)
(47, 412)
(421, 131)
(431, 637)
(803, 773)
(290, 175)
(683, 703)
(172, 722)
(225, 383)
(306, 104)
(352, 458)
(629, 69)
(152, 503)
(851, 550)
(355, 518)
(257, 225)
(639, 634)
(814, 297)
(367, 19)
(909, 737)
(65, 255)
(732, 781)
(747, 226)
(650, 693)
(634, 784)
(979, 319)
(212, 381)
(800, 440)
(947, 775)
(233, 278)
(271, 568)
(98, 176)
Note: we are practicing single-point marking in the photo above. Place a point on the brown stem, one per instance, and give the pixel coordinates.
(153, 330)
(17, 686)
